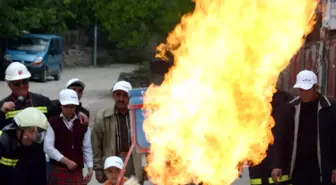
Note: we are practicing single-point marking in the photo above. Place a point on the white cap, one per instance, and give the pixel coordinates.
(305, 80)
(123, 86)
(16, 71)
(113, 161)
(75, 80)
(68, 97)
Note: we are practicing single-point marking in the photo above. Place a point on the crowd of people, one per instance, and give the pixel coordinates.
(48, 142)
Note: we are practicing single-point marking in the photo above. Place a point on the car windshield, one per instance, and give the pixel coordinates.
(28, 44)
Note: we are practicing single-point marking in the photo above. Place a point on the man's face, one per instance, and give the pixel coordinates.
(112, 174)
(79, 90)
(121, 99)
(29, 136)
(19, 87)
(308, 95)
(68, 111)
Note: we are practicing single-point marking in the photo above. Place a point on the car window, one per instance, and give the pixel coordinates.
(51, 45)
(57, 46)
(28, 44)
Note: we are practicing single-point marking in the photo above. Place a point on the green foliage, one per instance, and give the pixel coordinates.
(52, 16)
(132, 22)
(17, 16)
(76, 13)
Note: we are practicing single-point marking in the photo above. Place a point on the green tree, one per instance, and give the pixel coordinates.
(17, 16)
(131, 23)
(76, 13)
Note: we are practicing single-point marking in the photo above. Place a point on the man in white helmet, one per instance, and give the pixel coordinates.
(17, 78)
(28, 127)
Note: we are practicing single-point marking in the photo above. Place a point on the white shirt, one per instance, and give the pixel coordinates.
(53, 153)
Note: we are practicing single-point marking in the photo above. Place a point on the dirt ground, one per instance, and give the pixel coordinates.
(98, 81)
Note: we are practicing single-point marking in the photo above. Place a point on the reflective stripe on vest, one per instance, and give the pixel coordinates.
(11, 114)
(284, 178)
(9, 162)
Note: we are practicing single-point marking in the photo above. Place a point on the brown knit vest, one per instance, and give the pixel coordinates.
(68, 143)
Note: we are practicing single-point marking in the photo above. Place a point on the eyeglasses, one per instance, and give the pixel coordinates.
(19, 83)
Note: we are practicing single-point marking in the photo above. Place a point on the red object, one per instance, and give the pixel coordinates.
(62, 176)
(308, 58)
(134, 107)
(122, 173)
(20, 72)
(133, 145)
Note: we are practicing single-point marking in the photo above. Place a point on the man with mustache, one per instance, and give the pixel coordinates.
(17, 78)
(111, 134)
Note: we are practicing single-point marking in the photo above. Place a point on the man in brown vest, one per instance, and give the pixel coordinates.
(67, 141)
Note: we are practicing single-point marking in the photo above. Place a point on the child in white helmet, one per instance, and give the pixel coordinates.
(112, 168)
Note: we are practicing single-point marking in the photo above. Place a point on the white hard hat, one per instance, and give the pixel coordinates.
(113, 161)
(305, 80)
(31, 117)
(16, 71)
(123, 86)
(75, 80)
(68, 97)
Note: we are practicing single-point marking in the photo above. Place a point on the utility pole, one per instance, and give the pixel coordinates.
(94, 56)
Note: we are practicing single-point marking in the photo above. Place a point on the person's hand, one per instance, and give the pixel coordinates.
(88, 176)
(71, 165)
(7, 106)
(83, 118)
(333, 177)
(100, 177)
(276, 174)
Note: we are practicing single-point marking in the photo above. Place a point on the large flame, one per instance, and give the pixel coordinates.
(213, 109)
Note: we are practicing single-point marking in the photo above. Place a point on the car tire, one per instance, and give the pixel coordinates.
(58, 75)
(44, 75)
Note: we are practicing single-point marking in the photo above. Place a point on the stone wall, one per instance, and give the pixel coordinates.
(76, 56)
(78, 49)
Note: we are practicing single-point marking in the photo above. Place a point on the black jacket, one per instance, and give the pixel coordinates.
(284, 152)
(79, 108)
(33, 100)
(263, 170)
(9, 157)
(32, 163)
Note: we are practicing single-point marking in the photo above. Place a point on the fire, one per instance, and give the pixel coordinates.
(213, 109)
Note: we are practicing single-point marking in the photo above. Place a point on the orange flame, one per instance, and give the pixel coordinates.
(212, 110)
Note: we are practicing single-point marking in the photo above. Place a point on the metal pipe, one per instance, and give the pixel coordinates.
(122, 173)
(94, 56)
